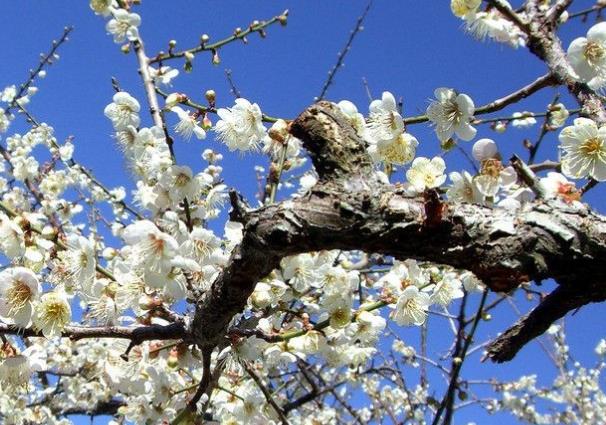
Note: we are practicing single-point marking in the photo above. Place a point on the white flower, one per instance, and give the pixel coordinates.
(241, 126)
(12, 242)
(523, 119)
(53, 313)
(411, 308)
(101, 7)
(555, 185)
(299, 270)
(385, 122)
(16, 370)
(426, 174)
(4, 121)
(447, 290)
(461, 8)
(355, 118)
(399, 150)
(123, 111)
(80, 261)
(587, 56)
(463, 189)
(451, 113)
(584, 150)
(154, 249)
(164, 75)
(484, 149)
(19, 289)
(493, 25)
(559, 114)
(180, 183)
(277, 137)
(124, 26)
(369, 326)
(188, 124)
(8, 94)
(203, 246)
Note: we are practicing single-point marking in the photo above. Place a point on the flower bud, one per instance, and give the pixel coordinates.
(484, 149)
(210, 96)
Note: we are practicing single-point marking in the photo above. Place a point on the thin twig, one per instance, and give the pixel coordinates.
(341, 56)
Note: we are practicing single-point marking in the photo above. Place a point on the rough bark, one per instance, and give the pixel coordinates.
(350, 209)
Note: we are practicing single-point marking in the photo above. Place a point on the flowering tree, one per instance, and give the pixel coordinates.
(200, 306)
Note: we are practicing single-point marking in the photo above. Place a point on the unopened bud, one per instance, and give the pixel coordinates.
(283, 19)
(173, 99)
(206, 122)
(216, 59)
(204, 38)
(125, 48)
(172, 44)
(210, 96)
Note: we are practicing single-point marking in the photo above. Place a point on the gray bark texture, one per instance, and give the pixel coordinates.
(351, 209)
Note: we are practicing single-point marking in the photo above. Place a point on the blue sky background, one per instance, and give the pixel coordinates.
(407, 47)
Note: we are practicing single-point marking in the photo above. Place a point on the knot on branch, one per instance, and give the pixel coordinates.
(336, 149)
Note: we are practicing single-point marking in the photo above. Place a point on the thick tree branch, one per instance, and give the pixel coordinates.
(350, 209)
(555, 306)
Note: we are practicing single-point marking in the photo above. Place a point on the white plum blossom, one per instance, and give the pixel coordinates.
(384, 122)
(16, 370)
(587, 56)
(241, 126)
(464, 189)
(451, 114)
(154, 249)
(8, 94)
(12, 243)
(52, 314)
(448, 289)
(101, 7)
(558, 115)
(188, 124)
(355, 118)
(123, 26)
(461, 8)
(19, 291)
(4, 121)
(123, 111)
(164, 75)
(411, 307)
(426, 174)
(180, 183)
(400, 150)
(555, 185)
(79, 260)
(584, 150)
(492, 25)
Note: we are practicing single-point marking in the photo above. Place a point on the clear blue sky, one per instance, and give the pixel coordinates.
(407, 47)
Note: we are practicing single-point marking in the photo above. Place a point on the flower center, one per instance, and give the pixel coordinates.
(594, 52)
(452, 113)
(592, 146)
(157, 244)
(182, 180)
(18, 295)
